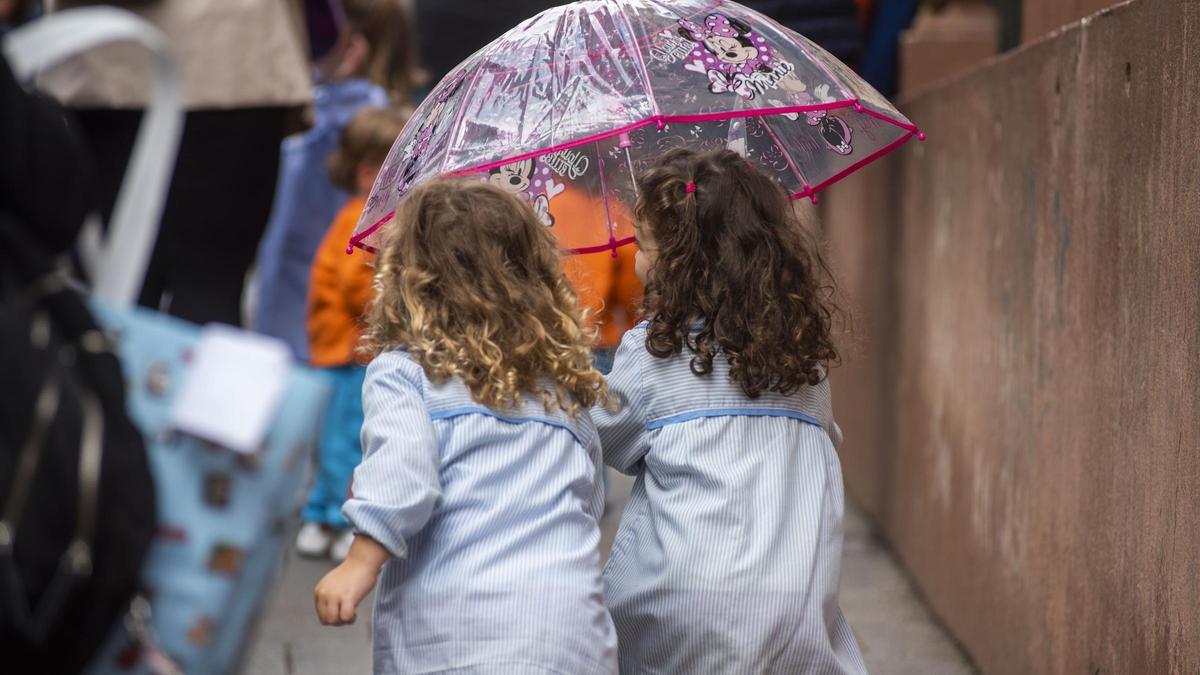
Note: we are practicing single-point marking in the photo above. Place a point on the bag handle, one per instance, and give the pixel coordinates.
(124, 257)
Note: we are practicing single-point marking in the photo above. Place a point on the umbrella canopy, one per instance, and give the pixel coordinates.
(582, 97)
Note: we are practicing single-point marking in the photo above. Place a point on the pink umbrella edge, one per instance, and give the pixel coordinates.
(356, 240)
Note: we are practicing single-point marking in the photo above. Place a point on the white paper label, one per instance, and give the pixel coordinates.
(233, 388)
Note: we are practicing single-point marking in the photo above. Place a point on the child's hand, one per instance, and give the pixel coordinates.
(338, 594)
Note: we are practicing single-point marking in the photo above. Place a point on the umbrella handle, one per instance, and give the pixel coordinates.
(121, 264)
(625, 143)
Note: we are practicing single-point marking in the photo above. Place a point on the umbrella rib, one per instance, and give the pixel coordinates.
(462, 108)
(612, 232)
(786, 155)
(904, 138)
(756, 112)
(641, 60)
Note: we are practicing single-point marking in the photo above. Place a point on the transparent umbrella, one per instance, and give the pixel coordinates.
(578, 99)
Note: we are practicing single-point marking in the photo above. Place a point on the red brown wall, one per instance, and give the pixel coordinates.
(944, 43)
(1039, 17)
(1022, 397)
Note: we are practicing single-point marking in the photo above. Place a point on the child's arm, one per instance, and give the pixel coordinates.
(395, 487)
(338, 594)
(397, 484)
(622, 434)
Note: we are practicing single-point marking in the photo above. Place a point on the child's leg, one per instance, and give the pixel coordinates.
(343, 449)
(314, 506)
(317, 533)
(339, 450)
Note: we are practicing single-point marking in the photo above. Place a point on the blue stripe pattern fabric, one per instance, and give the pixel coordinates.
(493, 519)
(727, 559)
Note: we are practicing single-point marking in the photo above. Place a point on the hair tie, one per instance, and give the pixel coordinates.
(689, 188)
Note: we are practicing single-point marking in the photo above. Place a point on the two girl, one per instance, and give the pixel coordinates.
(478, 497)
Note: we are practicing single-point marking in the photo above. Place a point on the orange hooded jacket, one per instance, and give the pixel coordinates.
(340, 289)
(607, 286)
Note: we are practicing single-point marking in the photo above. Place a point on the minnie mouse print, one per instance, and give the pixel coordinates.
(518, 178)
(734, 57)
(738, 59)
(410, 158)
(833, 130)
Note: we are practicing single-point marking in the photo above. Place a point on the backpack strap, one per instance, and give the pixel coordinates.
(75, 564)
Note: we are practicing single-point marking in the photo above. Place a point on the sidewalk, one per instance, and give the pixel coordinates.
(895, 630)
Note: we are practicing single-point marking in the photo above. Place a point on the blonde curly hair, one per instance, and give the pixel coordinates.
(470, 282)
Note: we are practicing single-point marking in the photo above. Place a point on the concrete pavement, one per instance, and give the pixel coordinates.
(897, 634)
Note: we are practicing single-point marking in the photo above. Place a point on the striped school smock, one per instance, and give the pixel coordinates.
(492, 519)
(728, 554)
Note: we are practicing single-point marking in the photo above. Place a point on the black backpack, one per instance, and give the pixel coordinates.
(77, 504)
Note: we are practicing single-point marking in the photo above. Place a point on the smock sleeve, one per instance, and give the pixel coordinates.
(623, 433)
(397, 485)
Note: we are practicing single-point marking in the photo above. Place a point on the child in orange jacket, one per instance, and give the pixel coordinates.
(611, 291)
(339, 291)
(607, 285)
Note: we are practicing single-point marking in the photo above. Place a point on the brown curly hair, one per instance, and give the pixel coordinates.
(736, 273)
(469, 281)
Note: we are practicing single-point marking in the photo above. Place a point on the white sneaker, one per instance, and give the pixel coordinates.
(340, 550)
(313, 540)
